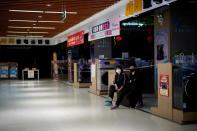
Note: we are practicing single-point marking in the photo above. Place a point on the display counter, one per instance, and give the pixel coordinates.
(77, 83)
(167, 97)
(30, 74)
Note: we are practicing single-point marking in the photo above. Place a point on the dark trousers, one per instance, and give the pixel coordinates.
(120, 94)
(112, 90)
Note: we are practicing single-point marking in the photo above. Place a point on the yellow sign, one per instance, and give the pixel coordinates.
(138, 5)
(129, 8)
(7, 41)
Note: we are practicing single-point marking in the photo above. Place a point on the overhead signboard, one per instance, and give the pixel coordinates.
(129, 8)
(75, 39)
(110, 27)
(133, 6)
(138, 5)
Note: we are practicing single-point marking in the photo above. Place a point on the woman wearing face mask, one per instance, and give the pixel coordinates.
(119, 87)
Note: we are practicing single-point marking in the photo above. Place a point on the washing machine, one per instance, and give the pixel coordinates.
(102, 73)
(84, 73)
(102, 70)
(185, 87)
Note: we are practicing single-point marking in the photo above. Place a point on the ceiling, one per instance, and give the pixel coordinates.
(84, 9)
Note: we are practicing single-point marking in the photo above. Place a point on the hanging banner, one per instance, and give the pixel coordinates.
(164, 85)
(108, 28)
(129, 8)
(75, 39)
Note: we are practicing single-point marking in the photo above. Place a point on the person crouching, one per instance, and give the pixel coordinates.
(119, 87)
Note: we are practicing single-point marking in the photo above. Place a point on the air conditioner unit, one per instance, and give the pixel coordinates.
(26, 41)
(40, 42)
(18, 41)
(47, 42)
(33, 42)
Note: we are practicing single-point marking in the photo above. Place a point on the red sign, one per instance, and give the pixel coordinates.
(76, 39)
(164, 85)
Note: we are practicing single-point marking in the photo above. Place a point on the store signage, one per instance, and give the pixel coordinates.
(129, 8)
(138, 5)
(75, 39)
(101, 27)
(108, 28)
(133, 6)
(7, 41)
(164, 85)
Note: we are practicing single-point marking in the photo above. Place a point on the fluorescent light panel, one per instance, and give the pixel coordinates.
(50, 21)
(39, 11)
(17, 32)
(34, 27)
(15, 36)
(20, 32)
(27, 11)
(33, 21)
(38, 36)
(38, 32)
(35, 36)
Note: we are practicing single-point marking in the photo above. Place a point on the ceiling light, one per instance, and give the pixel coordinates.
(15, 36)
(31, 36)
(20, 32)
(27, 11)
(23, 21)
(49, 12)
(39, 16)
(48, 5)
(35, 36)
(35, 27)
(50, 22)
(34, 24)
(38, 32)
(17, 27)
(33, 21)
(17, 32)
(50, 28)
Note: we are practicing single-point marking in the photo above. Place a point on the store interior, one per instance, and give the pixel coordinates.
(163, 37)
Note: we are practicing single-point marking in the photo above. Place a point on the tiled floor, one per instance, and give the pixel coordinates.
(55, 106)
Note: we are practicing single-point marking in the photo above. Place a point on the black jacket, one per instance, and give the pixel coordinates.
(134, 82)
(120, 80)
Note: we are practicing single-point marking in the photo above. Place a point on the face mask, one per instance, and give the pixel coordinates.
(118, 71)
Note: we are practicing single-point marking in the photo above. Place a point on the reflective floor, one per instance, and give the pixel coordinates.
(55, 106)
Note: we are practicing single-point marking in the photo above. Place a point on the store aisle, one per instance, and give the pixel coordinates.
(54, 106)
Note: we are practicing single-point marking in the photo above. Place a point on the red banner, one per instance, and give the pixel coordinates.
(75, 39)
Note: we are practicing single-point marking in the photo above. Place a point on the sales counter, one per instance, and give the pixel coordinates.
(30, 74)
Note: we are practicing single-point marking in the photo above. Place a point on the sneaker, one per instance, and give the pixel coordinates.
(114, 107)
(109, 103)
(108, 100)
